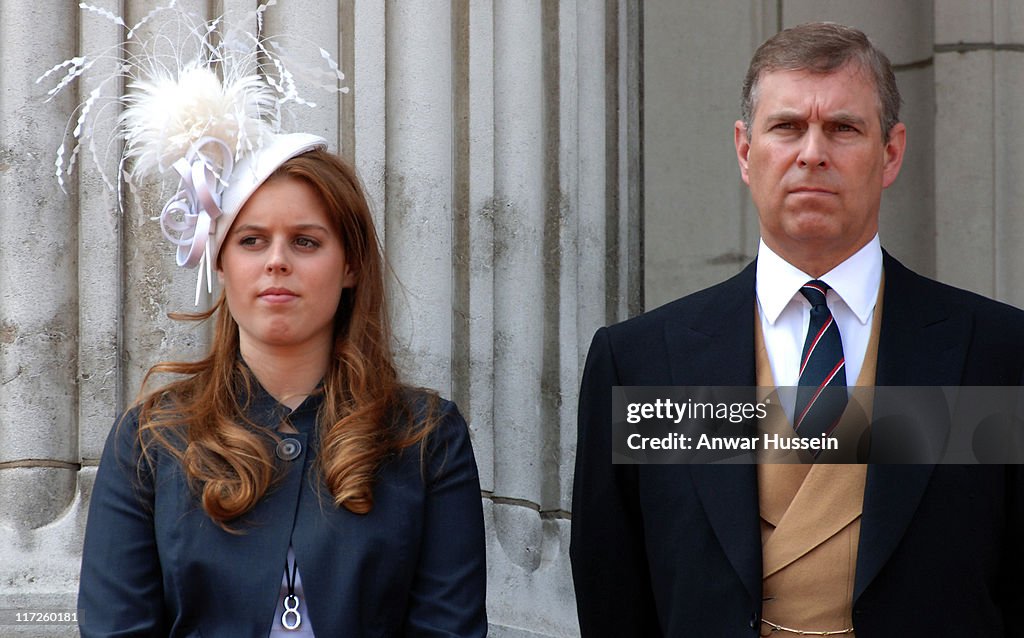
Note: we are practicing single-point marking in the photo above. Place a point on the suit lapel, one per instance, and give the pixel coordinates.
(715, 347)
(891, 495)
(729, 496)
(922, 343)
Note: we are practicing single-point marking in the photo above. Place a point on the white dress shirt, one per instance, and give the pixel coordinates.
(785, 313)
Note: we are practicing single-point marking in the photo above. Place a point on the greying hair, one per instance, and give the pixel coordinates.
(823, 47)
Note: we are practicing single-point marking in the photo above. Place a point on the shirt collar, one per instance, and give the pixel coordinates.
(855, 280)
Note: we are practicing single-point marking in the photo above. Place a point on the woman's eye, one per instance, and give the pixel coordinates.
(306, 242)
(248, 241)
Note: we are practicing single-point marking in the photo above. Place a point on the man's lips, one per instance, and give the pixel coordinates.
(811, 190)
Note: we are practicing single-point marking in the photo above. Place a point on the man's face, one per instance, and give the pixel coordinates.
(816, 164)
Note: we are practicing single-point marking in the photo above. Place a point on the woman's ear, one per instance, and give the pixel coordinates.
(350, 278)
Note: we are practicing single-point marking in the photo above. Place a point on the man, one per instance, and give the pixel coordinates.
(882, 550)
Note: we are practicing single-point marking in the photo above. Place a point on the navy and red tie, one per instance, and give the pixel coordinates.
(821, 396)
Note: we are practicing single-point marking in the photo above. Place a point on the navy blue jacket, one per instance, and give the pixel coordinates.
(675, 550)
(154, 564)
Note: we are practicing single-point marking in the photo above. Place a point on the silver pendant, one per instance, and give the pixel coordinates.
(291, 619)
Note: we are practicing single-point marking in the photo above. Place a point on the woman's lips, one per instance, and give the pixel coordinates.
(277, 295)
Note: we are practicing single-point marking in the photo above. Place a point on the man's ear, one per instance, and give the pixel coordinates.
(742, 143)
(894, 149)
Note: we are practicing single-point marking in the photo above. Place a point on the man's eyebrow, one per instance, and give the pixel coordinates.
(785, 115)
(847, 118)
(793, 115)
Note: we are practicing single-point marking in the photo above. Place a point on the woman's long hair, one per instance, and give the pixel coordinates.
(365, 414)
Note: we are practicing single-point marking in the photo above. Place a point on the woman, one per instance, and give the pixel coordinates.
(289, 469)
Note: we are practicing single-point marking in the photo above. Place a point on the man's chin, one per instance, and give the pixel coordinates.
(814, 229)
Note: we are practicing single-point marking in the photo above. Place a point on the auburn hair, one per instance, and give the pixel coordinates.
(365, 414)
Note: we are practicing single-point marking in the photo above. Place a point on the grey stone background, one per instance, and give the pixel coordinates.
(524, 198)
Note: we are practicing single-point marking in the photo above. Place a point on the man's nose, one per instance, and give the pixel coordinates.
(813, 150)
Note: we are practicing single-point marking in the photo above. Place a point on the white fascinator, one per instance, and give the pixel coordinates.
(204, 104)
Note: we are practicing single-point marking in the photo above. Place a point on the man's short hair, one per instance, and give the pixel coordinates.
(823, 47)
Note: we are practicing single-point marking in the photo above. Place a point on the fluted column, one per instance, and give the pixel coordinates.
(364, 110)
(38, 300)
(42, 333)
(418, 205)
(561, 228)
(522, 258)
(39, 296)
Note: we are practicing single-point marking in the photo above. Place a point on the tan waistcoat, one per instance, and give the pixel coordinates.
(810, 513)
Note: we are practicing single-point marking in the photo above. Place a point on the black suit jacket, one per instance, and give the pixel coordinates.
(675, 550)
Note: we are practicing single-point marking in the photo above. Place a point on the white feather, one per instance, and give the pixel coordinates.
(165, 117)
(209, 81)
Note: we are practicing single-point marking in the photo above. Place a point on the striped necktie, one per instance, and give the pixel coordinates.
(821, 397)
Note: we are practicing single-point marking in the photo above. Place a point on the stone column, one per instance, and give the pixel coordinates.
(417, 229)
(700, 226)
(542, 217)
(44, 334)
(979, 80)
